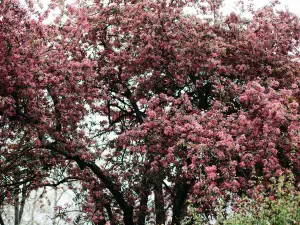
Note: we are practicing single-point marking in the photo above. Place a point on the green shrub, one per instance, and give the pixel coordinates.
(278, 204)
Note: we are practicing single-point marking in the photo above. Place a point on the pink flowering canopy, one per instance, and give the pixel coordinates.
(152, 110)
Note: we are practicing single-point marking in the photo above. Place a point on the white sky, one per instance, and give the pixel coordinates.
(292, 5)
(229, 5)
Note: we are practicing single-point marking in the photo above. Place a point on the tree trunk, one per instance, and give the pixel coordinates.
(159, 201)
(128, 216)
(1, 220)
(22, 205)
(143, 204)
(16, 208)
(33, 209)
(144, 195)
(16, 214)
(181, 191)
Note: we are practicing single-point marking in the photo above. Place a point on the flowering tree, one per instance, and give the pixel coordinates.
(149, 108)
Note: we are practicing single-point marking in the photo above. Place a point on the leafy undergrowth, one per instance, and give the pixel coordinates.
(279, 204)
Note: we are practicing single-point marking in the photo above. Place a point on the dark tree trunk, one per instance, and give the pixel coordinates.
(128, 216)
(181, 191)
(1, 220)
(16, 214)
(21, 208)
(159, 201)
(101, 222)
(144, 195)
(16, 207)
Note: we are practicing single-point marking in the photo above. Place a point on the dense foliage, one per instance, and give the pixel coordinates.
(151, 109)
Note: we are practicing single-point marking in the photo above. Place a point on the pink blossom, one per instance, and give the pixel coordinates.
(211, 171)
(151, 114)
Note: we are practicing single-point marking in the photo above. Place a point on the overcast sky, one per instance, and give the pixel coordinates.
(292, 5)
(229, 5)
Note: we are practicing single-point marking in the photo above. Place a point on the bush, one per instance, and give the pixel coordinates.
(275, 204)
(280, 205)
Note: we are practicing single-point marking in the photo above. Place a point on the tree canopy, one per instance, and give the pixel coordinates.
(151, 109)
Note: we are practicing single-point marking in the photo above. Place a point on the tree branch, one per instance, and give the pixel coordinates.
(113, 188)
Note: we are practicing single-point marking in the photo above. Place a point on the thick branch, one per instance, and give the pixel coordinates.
(127, 210)
(113, 188)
